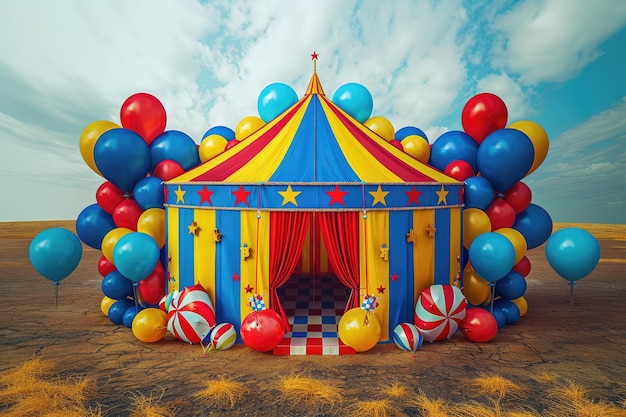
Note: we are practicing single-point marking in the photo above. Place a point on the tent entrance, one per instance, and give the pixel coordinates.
(314, 304)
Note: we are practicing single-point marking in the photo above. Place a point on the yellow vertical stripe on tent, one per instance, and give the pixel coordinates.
(423, 251)
(455, 243)
(272, 155)
(374, 234)
(172, 249)
(204, 251)
(255, 269)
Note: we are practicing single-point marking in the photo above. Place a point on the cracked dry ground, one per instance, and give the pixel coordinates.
(586, 344)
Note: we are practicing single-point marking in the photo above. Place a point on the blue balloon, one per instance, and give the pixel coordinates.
(492, 256)
(410, 131)
(479, 193)
(504, 157)
(225, 132)
(274, 100)
(117, 310)
(573, 253)
(534, 224)
(116, 286)
(354, 99)
(453, 145)
(509, 309)
(135, 255)
(122, 157)
(129, 315)
(93, 224)
(512, 286)
(177, 146)
(55, 253)
(148, 193)
(498, 314)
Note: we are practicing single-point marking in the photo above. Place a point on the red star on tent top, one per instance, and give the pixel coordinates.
(413, 196)
(242, 196)
(314, 55)
(205, 195)
(336, 196)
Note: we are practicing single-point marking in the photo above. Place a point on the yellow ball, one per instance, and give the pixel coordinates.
(110, 240)
(417, 147)
(88, 139)
(381, 126)
(150, 325)
(105, 304)
(475, 289)
(522, 305)
(354, 332)
(475, 222)
(247, 126)
(539, 139)
(152, 223)
(517, 240)
(211, 146)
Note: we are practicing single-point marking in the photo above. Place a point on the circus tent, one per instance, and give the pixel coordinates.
(313, 191)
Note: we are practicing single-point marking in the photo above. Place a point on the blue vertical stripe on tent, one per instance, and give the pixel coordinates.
(227, 264)
(185, 249)
(401, 265)
(442, 246)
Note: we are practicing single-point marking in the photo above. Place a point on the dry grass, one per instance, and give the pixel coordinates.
(570, 399)
(396, 390)
(428, 407)
(300, 392)
(222, 393)
(143, 406)
(380, 408)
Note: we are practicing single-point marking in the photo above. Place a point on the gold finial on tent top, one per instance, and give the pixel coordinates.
(314, 56)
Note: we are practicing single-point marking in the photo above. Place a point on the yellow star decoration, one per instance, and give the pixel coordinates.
(180, 195)
(430, 230)
(411, 237)
(289, 196)
(443, 195)
(379, 196)
(217, 236)
(194, 229)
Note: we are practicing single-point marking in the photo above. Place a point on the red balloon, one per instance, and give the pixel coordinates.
(231, 143)
(145, 115)
(109, 196)
(459, 170)
(262, 330)
(483, 114)
(519, 197)
(397, 144)
(168, 169)
(501, 214)
(152, 288)
(105, 267)
(127, 213)
(479, 325)
(522, 267)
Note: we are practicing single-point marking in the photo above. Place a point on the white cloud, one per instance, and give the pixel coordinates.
(511, 92)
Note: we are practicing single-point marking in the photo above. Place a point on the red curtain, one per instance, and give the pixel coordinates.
(287, 234)
(340, 231)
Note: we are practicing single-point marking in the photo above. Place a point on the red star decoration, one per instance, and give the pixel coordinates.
(381, 289)
(235, 277)
(242, 196)
(413, 196)
(249, 288)
(395, 277)
(461, 194)
(336, 196)
(205, 195)
(314, 55)
(165, 194)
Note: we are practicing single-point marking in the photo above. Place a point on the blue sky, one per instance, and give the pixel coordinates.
(65, 64)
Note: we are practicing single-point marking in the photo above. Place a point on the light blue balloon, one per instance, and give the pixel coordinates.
(135, 255)
(274, 100)
(492, 256)
(573, 253)
(354, 99)
(55, 253)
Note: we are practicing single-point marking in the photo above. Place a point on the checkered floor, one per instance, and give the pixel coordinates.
(313, 306)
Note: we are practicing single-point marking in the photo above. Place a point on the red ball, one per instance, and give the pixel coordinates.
(262, 331)
(109, 196)
(145, 115)
(501, 214)
(459, 170)
(231, 143)
(483, 114)
(105, 267)
(126, 214)
(152, 288)
(519, 197)
(479, 325)
(522, 267)
(168, 169)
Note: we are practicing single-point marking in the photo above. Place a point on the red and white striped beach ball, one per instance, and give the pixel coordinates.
(223, 336)
(439, 310)
(191, 315)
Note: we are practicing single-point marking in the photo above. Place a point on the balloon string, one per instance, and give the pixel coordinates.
(56, 294)
(492, 288)
(135, 293)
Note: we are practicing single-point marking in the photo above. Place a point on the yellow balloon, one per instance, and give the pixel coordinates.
(247, 126)
(522, 305)
(539, 139)
(150, 325)
(88, 139)
(105, 304)
(381, 126)
(475, 289)
(152, 223)
(211, 146)
(475, 222)
(110, 240)
(517, 240)
(417, 147)
(354, 332)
